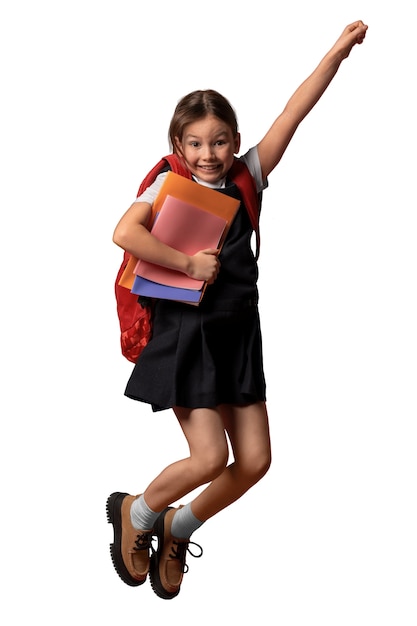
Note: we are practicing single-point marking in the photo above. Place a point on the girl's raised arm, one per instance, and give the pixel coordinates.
(273, 145)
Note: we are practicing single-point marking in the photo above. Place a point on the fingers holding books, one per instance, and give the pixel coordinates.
(205, 265)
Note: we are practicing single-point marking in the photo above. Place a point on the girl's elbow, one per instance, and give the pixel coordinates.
(119, 237)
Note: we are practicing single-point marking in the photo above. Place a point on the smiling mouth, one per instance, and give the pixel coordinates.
(209, 168)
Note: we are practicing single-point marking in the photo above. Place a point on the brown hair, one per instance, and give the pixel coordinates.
(196, 105)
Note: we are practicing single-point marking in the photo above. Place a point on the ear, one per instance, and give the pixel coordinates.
(237, 143)
(178, 146)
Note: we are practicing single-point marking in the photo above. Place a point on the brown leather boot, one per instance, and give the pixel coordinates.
(168, 564)
(130, 550)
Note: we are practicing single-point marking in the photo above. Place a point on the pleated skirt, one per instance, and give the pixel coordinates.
(200, 357)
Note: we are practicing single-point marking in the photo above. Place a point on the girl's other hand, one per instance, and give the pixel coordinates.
(353, 34)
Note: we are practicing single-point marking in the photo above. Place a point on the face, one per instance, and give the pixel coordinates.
(208, 147)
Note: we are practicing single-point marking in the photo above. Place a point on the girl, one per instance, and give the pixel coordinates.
(205, 362)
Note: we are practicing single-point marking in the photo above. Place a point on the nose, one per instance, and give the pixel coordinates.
(208, 152)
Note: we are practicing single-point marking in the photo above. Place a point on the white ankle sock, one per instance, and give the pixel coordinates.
(184, 523)
(141, 516)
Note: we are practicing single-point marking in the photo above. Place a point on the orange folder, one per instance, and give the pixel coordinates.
(128, 276)
(195, 194)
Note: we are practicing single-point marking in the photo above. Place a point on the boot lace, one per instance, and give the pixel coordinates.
(143, 542)
(179, 551)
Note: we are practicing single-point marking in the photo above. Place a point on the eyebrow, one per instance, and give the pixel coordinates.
(217, 135)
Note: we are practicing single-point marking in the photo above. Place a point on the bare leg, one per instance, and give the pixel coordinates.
(248, 432)
(205, 433)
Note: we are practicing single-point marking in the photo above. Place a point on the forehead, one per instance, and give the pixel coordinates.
(207, 126)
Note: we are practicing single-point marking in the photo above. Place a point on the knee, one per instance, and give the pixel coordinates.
(212, 464)
(261, 466)
(256, 466)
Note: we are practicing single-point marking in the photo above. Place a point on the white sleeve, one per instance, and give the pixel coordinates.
(152, 191)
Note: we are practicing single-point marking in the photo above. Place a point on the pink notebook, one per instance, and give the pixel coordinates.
(186, 228)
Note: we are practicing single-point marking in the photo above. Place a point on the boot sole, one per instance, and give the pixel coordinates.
(114, 516)
(154, 577)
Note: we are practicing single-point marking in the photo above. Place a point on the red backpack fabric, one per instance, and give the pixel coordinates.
(135, 319)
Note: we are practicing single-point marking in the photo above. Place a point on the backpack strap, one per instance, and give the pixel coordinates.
(244, 180)
(177, 166)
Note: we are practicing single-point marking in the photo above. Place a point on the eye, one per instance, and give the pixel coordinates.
(194, 144)
(220, 142)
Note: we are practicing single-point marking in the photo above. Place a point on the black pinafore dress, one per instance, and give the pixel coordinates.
(211, 354)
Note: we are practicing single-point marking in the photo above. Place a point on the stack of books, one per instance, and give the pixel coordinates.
(188, 217)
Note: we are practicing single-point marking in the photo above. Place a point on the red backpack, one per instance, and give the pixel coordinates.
(135, 319)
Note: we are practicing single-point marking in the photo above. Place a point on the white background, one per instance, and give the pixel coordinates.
(88, 89)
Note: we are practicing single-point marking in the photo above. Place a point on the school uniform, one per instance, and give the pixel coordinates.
(211, 354)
